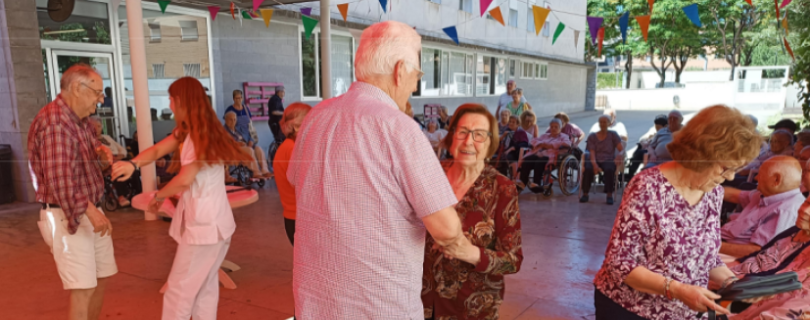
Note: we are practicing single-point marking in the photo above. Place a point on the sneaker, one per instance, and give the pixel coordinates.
(548, 191)
(535, 188)
(122, 201)
(610, 201)
(584, 199)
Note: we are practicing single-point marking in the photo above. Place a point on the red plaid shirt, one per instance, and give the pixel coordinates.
(63, 159)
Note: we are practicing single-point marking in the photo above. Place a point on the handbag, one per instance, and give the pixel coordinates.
(253, 134)
(754, 286)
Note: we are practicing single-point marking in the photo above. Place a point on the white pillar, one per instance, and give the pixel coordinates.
(326, 45)
(140, 87)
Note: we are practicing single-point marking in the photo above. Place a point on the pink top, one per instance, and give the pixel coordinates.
(558, 141)
(364, 178)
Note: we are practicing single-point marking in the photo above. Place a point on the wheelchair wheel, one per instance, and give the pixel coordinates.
(261, 183)
(569, 175)
(110, 203)
(271, 154)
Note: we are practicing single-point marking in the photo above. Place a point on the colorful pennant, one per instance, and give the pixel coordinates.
(644, 23)
(601, 39)
(784, 3)
(624, 21)
(233, 15)
(213, 10)
(693, 14)
(750, 2)
(163, 4)
(452, 33)
(384, 4)
(496, 14)
(558, 32)
(540, 16)
(245, 15)
(309, 25)
(776, 4)
(594, 23)
(484, 5)
(789, 50)
(267, 14)
(652, 2)
(306, 11)
(576, 38)
(256, 4)
(785, 24)
(344, 10)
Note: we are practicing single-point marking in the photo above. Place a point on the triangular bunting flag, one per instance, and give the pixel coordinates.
(306, 11)
(256, 4)
(789, 50)
(163, 4)
(624, 21)
(750, 2)
(245, 15)
(267, 14)
(776, 4)
(253, 14)
(652, 2)
(309, 25)
(496, 14)
(213, 10)
(594, 23)
(115, 4)
(344, 10)
(576, 38)
(644, 23)
(452, 33)
(540, 16)
(484, 5)
(785, 24)
(601, 39)
(233, 15)
(784, 3)
(384, 4)
(692, 13)
(558, 32)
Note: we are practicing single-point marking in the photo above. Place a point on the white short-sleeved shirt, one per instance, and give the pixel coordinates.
(203, 215)
(364, 178)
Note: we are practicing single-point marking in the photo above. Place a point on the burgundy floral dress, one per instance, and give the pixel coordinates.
(657, 229)
(490, 218)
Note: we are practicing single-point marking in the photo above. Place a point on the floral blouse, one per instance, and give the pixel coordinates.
(490, 218)
(657, 229)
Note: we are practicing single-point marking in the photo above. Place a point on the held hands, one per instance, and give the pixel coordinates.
(462, 250)
(696, 298)
(122, 170)
(104, 156)
(99, 221)
(155, 204)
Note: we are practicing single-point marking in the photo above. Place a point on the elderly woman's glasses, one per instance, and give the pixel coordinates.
(478, 135)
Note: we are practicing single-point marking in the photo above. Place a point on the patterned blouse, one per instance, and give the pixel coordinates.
(490, 218)
(657, 229)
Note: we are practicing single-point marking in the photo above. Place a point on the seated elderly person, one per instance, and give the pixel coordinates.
(118, 151)
(767, 211)
(640, 153)
(543, 153)
(602, 147)
(614, 125)
(573, 131)
(781, 143)
(434, 134)
(512, 141)
(802, 141)
(657, 152)
(246, 142)
(503, 124)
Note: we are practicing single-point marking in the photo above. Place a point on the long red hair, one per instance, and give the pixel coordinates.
(195, 117)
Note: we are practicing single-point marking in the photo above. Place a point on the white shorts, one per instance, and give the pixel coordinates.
(81, 258)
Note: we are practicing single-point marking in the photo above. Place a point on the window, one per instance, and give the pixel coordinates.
(342, 60)
(542, 71)
(89, 23)
(465, 5)
(446, 74)
(157, 71)
(490, 75)
(513, 18)
(461, 72)
(154, 31)
(513, 65)
(545, 30)
(431, 83)
(188, 30)
(530, 23)
(528, 70)
(191, 70)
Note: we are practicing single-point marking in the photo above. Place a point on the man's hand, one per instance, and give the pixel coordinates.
(803, 221)
(98, 220)
(105, 156)
(154, 204)
(463, 250)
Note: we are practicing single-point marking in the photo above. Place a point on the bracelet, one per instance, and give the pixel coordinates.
(666, 288)
(728, 281)
(133, 165)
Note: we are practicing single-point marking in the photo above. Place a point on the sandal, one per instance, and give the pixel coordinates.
(520, 186)
(535, 188)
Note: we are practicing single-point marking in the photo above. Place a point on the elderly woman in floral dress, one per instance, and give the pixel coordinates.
(490, 217)
(665, 244)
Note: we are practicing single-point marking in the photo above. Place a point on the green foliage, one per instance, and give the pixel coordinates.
(799, 20)
(609, 80)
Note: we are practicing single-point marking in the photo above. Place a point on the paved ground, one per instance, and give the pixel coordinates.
(564, 243)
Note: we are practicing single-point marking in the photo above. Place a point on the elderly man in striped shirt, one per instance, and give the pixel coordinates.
(368, 184)
(67, 159)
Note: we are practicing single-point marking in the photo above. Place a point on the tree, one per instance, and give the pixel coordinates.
(734, 22)
(799, 18)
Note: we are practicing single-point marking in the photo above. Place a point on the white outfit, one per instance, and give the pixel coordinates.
(81, 258)
(202, 226)
(436, 137)
(617, 126)
(116, 148)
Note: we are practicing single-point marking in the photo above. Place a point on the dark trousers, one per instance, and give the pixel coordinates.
(289, 226)
(533, 162)
(636, 161)
(609, 176)
(278, 135)
(607, 309)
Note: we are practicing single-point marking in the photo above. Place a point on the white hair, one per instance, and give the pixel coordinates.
(785, 133)
(230, 112)
(384, 44)
(606, 116)
(77, 72)
(555, 120)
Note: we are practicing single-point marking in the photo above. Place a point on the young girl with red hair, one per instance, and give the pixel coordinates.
(203, 222)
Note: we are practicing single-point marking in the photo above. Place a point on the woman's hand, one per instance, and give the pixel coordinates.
(242, 144)
(122, 171)
(596, 168)
(696, 298)
(155, 204)
(250, 144)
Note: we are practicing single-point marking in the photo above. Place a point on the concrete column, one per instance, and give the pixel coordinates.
(590, 88)
(326, 45)
(140, 86)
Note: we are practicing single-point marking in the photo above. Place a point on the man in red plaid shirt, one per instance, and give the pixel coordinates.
(67, 161)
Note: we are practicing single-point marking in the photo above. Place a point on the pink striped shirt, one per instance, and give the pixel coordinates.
(364, 177)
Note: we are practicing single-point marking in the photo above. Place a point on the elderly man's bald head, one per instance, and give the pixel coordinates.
(384, 44)
(779, 174)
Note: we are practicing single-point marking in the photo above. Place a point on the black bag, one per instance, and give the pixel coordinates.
(753, 286)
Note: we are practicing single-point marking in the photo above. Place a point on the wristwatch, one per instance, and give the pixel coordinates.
(133, 165)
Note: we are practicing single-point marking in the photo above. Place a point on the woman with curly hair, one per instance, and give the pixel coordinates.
(490, 218)
(665, 244)
(203, 223)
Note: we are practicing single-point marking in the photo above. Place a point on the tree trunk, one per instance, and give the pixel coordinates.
(628, 67)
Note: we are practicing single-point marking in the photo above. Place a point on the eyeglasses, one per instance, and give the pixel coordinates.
(421, 73)
(478, 135)
(99, 93)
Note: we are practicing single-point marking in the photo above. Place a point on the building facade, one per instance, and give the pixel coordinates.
(223, 53)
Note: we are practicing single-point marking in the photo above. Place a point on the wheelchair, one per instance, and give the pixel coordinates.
(244, 176)
(110, 198)
(566, 170)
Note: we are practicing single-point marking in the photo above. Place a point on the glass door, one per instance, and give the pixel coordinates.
(102, 62)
